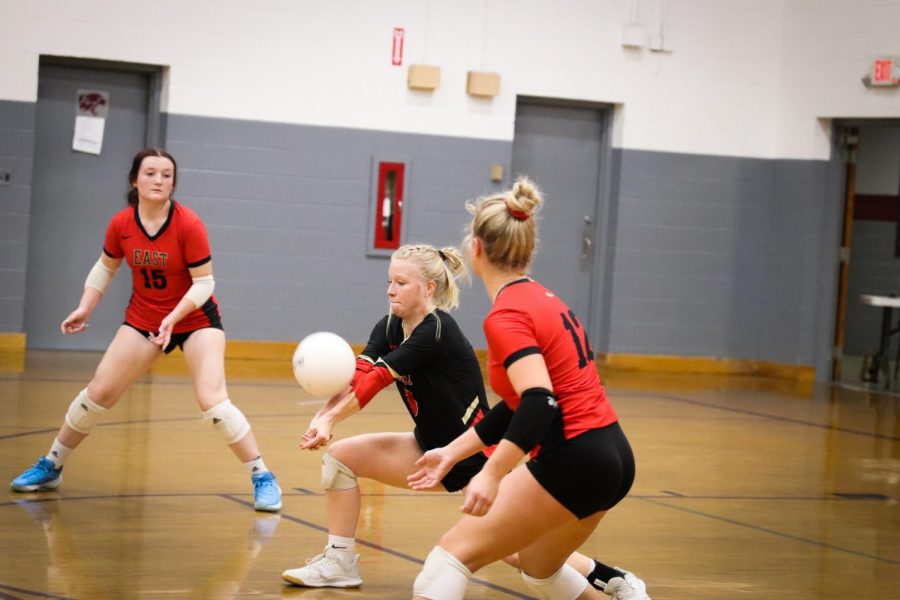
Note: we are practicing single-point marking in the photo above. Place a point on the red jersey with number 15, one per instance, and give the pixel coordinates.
(159, 266)
(527, 318)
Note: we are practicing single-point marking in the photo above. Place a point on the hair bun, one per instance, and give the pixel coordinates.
(526, 197)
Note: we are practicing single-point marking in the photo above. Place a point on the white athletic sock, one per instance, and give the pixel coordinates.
(58, 453)
(256, 466)
(342, 546)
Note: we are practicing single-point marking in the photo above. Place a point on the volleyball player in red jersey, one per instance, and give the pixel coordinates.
(554, 407)
(172, 305)
(419, 347)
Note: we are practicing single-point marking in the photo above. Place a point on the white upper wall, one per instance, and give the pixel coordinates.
(829, 45)
(756, 78)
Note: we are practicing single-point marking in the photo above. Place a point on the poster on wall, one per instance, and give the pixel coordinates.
(92, 107)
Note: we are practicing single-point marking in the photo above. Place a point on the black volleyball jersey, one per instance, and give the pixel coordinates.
(436, 372)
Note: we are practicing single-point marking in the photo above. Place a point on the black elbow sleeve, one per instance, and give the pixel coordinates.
(537, 412)
(493, 425)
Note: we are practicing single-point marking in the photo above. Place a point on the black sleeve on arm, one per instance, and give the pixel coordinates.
(377, 345)
(493, 425)
(531, 421)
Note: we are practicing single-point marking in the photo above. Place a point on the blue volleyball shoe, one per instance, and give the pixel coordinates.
(43, 476)
(266, 492)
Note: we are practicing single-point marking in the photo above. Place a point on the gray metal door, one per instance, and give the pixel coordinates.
(560, 148)
(73, 197)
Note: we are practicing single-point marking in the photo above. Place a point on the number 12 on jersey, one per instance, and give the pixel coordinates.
(585, 352)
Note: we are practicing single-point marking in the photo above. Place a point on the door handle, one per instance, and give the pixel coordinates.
(586, 241)
(586, 244)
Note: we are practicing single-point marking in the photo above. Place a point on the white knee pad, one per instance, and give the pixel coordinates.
(336, 475)
(442, 577)
(228, 420)
(565, 584)
(83, 413)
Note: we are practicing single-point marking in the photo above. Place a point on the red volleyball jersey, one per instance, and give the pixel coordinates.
(159, 266)
(527, 318)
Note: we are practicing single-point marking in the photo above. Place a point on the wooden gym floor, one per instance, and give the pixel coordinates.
(747, 488)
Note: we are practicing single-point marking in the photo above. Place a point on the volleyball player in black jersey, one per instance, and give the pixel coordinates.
(420, 347)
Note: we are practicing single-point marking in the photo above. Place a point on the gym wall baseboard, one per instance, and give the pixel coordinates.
(12, 342)
(246, 357)
(260, 358)
(12, 352)
(706, 365)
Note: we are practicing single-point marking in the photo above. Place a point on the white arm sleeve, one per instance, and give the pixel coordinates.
(201, 290)
(99, 277)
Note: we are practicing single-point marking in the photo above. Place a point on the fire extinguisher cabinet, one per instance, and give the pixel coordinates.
(386, 207)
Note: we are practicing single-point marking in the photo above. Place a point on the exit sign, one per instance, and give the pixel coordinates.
(885, 73)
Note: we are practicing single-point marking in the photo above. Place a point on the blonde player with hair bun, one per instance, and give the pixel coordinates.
(553, 407)
(420, 348)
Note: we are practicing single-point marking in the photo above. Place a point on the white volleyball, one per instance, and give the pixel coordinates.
(324, 364)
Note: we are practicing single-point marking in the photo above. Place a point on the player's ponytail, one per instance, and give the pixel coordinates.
(446, 295)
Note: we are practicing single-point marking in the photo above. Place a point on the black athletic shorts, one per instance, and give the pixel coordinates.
(462, 472)
(589, 473)
(177, 340)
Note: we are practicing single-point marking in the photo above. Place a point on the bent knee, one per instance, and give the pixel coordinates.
(347, 452)
(512, 560)
(473, 556)
(336, 476)
(210, 395)
(103, 395)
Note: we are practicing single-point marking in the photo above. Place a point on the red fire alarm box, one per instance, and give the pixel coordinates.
(388, 205)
